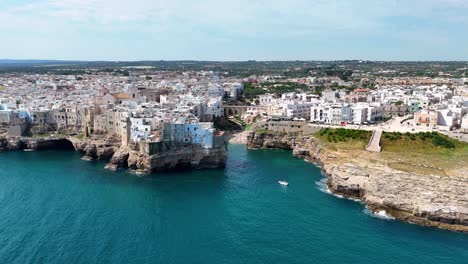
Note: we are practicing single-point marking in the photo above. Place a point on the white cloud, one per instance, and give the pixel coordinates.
(244, 17)
(187, 23)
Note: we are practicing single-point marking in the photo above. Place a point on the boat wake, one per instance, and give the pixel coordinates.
(381, 214)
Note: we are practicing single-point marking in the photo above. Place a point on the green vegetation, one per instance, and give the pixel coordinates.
(244, 69)
(224, 124)
(254, 90)
(421, 153)
(251, 91)
(340, 73)
(424, 153)
(436, 139)
(442, 142)
(344, 135)
(264, 131)
(43, 135)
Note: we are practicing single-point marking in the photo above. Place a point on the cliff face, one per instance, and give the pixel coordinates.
(108, 149)
(193, 157)
(98, 148)
(93, 149)
(424, 199)
(429, 200)
(14, 144)
(305, 147)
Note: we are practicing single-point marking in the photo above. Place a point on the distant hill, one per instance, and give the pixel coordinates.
(34, 62)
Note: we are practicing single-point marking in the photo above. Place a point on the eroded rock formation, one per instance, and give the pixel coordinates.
(108, 149)
(190, 157)
(431, 200)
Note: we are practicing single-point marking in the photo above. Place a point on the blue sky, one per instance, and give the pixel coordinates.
(234, 30)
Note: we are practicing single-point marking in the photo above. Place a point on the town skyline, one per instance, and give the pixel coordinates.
(247, 131)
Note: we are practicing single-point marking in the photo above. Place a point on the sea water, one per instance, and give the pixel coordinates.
(57, 208)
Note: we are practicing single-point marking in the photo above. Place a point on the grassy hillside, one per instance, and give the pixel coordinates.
(341, 139)
(423, 153)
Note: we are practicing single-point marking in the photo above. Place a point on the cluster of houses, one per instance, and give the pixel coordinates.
(430, 107)
(181, 107)
(157, 107)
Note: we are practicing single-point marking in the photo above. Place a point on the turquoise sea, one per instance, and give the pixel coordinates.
(57, 208)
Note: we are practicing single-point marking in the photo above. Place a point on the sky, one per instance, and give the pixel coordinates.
(235, 30)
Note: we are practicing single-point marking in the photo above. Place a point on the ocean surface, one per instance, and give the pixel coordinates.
(57, 208)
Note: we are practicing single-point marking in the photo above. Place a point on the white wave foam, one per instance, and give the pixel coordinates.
(381, 214)
(323, 187)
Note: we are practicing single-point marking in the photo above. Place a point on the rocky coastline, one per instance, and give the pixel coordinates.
(92, 148)
(429, 200)
(109, 149)
(184, 158)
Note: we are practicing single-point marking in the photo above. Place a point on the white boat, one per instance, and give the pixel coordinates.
(27, 150)
(285, 183)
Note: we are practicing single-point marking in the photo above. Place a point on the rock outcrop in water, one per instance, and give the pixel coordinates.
(98, 148)
(15, 144)
(430, 200)
(101, 148)
(109, 149)
(190, 157)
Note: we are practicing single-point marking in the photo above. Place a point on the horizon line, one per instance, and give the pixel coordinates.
(195, 60)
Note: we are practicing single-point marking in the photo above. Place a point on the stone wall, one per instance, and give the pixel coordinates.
(288, 127)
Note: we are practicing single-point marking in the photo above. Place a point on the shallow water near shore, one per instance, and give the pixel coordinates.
(57, 208)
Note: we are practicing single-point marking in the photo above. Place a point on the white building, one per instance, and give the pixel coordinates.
(297, 110)
(447, 119)
(190, 133)
(464, 124)
(360, 114)
(328, 114)
(375, 113)
(266, 99)
(214, 107)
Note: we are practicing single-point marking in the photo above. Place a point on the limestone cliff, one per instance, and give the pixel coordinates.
(429, 200)
(97, 148)
(190, 157)
(109, 149)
